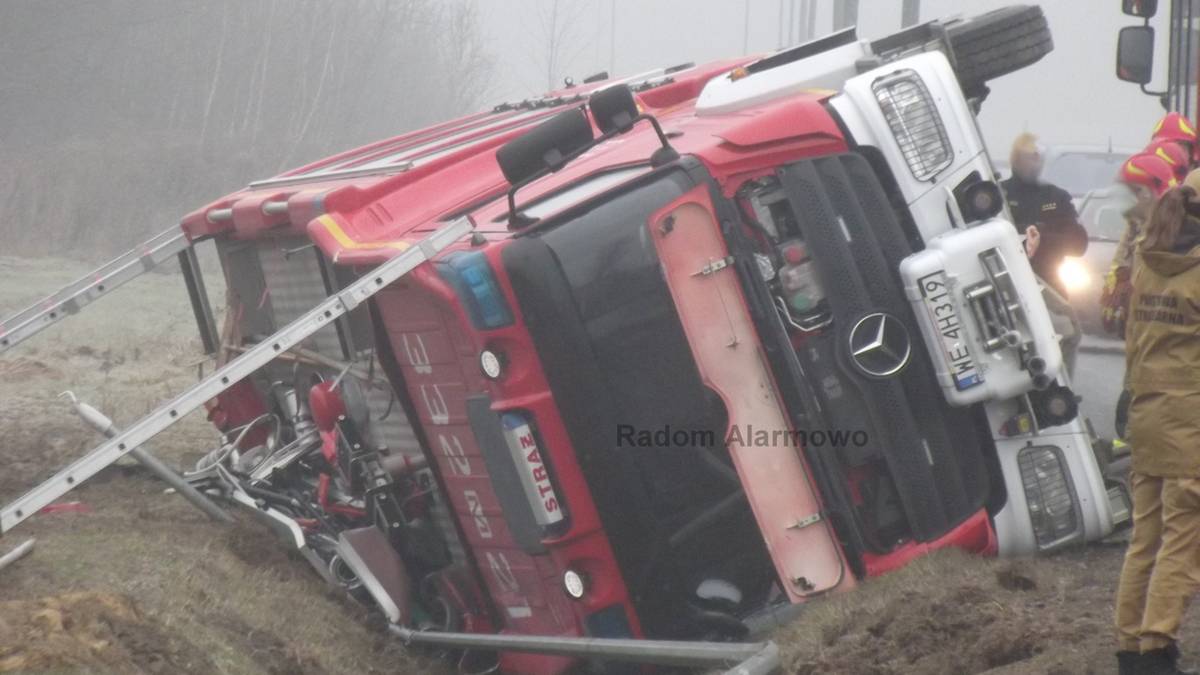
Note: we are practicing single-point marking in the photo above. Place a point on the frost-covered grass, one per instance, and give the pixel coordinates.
(228, 596)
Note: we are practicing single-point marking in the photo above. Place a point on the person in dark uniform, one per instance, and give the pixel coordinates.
(1044, 214)
(1043, 206)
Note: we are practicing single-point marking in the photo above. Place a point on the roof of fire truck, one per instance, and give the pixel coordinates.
(364, 205)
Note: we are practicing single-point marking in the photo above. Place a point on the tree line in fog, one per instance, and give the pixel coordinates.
(118, 116)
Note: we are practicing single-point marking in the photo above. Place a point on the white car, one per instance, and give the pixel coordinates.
(1102, 213)
(1088, 173)
(1080, 169)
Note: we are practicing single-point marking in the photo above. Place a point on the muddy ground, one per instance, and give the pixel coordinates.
(953, 613)
(138, 582)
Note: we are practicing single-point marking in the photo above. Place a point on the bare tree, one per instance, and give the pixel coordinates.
(558, 28)
(120, 115)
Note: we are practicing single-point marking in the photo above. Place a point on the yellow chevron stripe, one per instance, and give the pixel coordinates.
(339, 235)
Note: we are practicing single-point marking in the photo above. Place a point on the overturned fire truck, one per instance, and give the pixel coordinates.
(441, 352)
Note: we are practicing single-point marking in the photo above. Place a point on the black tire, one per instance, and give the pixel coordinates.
(997, 43)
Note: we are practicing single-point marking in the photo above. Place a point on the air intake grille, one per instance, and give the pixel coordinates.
(915, 123)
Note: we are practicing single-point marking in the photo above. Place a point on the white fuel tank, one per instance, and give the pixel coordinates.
(982, 314)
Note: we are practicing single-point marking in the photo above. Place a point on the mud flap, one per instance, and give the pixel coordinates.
(376, 563)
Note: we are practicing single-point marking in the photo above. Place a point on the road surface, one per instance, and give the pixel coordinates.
(1099, 371)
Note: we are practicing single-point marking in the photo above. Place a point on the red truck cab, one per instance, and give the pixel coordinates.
(634, 301)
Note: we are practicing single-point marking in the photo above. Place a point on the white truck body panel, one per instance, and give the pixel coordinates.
(953, 247)
(1014, 531)
(930, 202)
(827, 70)
(938, 282)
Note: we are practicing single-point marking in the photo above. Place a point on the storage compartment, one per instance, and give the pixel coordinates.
(982, 314)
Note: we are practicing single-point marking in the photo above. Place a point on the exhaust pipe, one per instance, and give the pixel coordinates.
(100, 422)
(1037, 371)
(16, 554)
(759, 658)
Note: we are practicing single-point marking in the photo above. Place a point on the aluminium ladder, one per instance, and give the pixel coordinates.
(74, 296)
(231, 373)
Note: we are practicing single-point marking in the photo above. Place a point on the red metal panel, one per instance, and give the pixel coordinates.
(974, 535)
(724, 342)
(439, 388)
(381, 208)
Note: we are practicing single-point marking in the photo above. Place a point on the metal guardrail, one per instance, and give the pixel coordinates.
(739, 658)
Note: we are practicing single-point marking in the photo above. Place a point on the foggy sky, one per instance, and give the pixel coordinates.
(1070, 96)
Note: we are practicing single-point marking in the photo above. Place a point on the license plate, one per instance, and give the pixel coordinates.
(940, 304)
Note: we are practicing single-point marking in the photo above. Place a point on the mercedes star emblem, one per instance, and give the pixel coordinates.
(880, 345)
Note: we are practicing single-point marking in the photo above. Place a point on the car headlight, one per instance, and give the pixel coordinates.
(1074, 274)
(1052, 508)
(915, 122)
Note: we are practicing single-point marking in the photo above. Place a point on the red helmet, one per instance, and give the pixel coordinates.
(1172, 153)
(1174, 127)
(1149, 170)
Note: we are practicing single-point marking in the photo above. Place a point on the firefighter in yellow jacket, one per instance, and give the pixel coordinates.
(1148, 176)
(1162, 563)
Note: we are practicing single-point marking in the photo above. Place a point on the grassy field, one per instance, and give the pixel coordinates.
(144, 583)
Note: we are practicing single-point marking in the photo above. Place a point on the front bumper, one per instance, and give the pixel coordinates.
(974, 535)
(1014, 522)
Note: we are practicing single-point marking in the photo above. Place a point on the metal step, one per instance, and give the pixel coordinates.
(74, 296)
(230, 374)
(377, 564)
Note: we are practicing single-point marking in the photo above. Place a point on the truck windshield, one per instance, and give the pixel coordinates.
(610, 266)
(647, 432)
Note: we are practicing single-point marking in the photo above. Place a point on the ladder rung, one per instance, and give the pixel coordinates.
(233, 372)
(74, 296)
